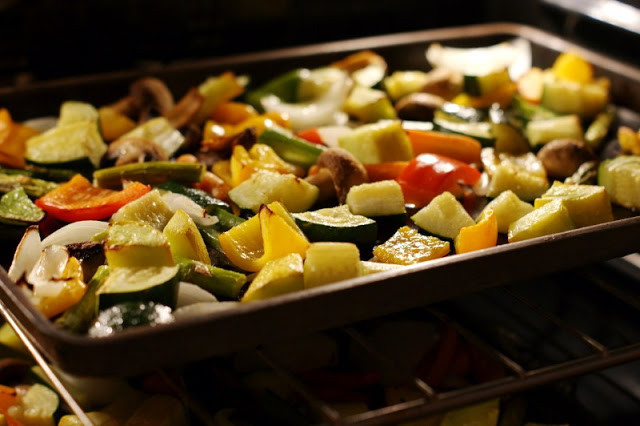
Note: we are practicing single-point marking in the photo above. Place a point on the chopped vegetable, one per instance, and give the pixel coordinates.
(13, 137)
(483, 234)
(151, 173)
(443, 216)
(620, 177)
(79, 200)
(16, 208)
(551, 218)
(378, 142)
(587, 204)
(459, 147)
(328, 262)
(383, 198)
(407, 247)
(279, 276)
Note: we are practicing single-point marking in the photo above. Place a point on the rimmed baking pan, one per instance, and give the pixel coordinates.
(251, 324)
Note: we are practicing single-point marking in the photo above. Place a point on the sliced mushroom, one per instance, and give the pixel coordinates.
(90, 254)
(186, 109)
(339, 169)
(444, 83)
(127, 106)
(151, 95)
(366, 67)
(418, 106)
(134, 150)
(562, 157)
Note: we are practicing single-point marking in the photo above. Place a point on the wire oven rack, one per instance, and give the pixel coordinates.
(538, 331)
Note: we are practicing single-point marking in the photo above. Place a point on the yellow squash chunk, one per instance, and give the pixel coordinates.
(379, 142)
(269, 235)
(443, 216)
(382, 198)
(549, 219)
(150, 209)
(279, 276)
(587, 204)
(507, 208)
(184, 238)
(72, 291)
(136, 244)
(483, 234)
(526, 185)
(407, 246)
(329, 262)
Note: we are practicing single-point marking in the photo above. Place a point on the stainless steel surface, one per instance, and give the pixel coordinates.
(619, 14)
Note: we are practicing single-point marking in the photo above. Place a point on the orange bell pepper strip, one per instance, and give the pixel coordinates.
(78, 200)
(12, 140)
(233, 112)
(483, 234)
(8, 397)
(269, 235)
(460, 147)
(385, 171)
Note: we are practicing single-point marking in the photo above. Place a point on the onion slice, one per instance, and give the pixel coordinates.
(26, 255)
(190, 207)
(46, 277)
(75, 232)
(188, 294)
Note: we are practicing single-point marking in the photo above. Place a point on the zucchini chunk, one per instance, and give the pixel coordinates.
(620, 177)
(157, 284)
(382, 198)
(330, 262)
(443, 216)
(379, 142)
(551, 218)
(587, 204)
(337, 224)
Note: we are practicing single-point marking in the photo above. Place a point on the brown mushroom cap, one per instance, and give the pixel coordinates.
(341, 169)
(183, 113)
(562, 157)
(151, 94)
(134, 150)
(418, 106)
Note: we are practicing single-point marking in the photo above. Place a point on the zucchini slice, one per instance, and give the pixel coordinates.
(337, 224)
(143, 284)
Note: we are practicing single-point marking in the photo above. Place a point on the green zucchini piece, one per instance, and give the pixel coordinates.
(79, 317)
(620, 177)
(482, 131)
(539, 132)
(75, 146)
(459, 113)
(508, 208)
(587, 204)
(289, 147)
(599, 128)
(150, 209)
(378, 142)
(129, 314)
(337, 224)
(217, 281)
(151, 173)
(140, 284)
(480, 85)
(74, 112)
(44, 173)
(32, 186)
(402, 83)
(200, 197)
(383, 198)
(569, 97)
(284, 87)
(136, 244)
(264, 187)
(369, 105)
(16, 208)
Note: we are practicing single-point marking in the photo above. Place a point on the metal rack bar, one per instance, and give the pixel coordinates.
(44, 365)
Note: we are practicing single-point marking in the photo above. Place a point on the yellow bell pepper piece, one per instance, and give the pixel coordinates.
(407, 247)
(573, 67)
(260, 157)
(72, 291)
(233, 112)
(629, 140)
(269, 235)
(483, 234)
(12, 140)
(113, 123)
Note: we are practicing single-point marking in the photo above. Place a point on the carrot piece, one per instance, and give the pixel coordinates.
(385, 171)
(459, 147)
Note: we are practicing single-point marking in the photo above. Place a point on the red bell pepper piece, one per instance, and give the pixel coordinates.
(78, 200)
(311, 135)
(429, 175)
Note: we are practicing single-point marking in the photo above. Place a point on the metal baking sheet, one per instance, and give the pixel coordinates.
(252, 324)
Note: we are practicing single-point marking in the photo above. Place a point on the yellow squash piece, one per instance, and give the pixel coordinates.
(549, 219)
(587, 204)
(507, 208)
(483, 234)
(185, 240)
(72, 291)
(329, 262)
(279, 276)
(407, 246)
(269, 235)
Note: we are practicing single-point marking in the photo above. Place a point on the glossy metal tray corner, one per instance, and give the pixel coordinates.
(251, 324)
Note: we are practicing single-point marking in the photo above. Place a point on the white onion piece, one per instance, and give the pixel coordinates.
(514, 55)
(190, 207)
(188, 294)
(320, 111)
(26, 254)
(75, 232)
(202, 308)
(46, 277)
